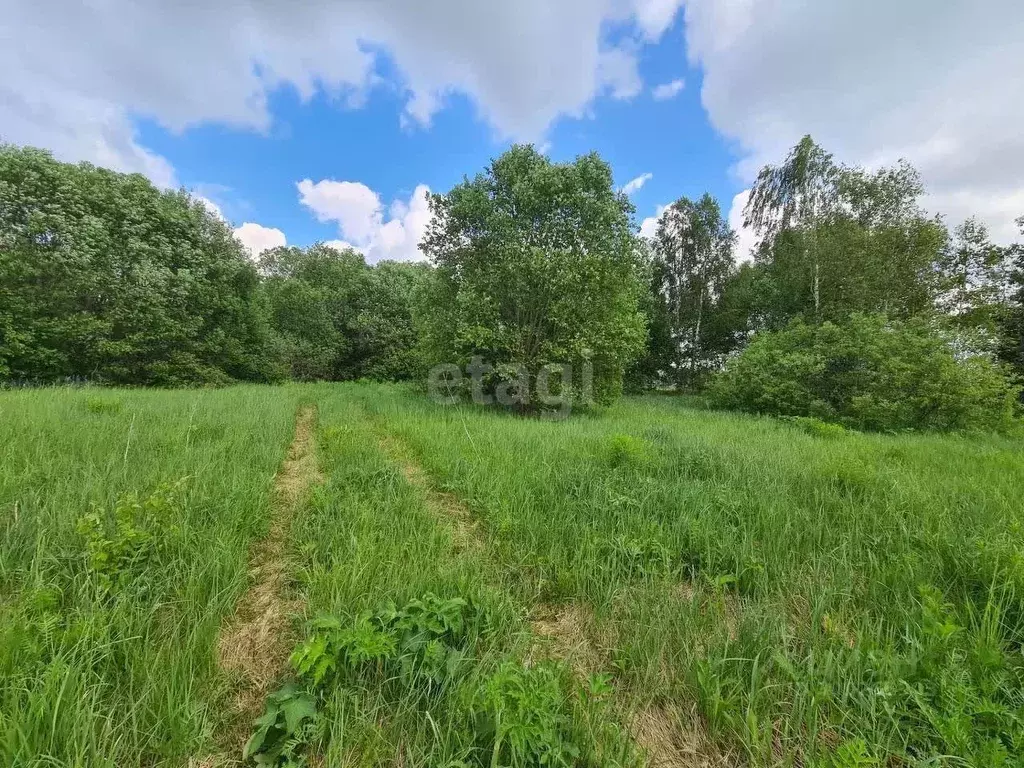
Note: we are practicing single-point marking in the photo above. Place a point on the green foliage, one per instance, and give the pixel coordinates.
(336, 318)
(1011, 320)
(120, 542)
(423, 640)
(867, 373)
(386, 339)
(422, 643)
(103, 405)
(536, 264)
(693, 260)
(105, 277)
(626, 451)
(817, 427)
(953, 686)
(289, 722)
(836, 240)
(518, 715)
(521, 713)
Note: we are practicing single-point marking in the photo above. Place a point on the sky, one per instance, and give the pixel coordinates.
(331, 121)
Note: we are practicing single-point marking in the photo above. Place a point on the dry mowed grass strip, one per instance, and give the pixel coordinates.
(256, 643)
(674, 739)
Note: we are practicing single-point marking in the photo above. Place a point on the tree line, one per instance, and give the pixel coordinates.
(105, 278)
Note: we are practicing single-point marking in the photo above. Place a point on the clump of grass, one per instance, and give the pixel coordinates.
(626, 451)
(826, 430)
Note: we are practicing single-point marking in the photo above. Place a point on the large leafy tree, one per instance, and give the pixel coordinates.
(795, 196)
(105, 277)
(386, 339)
(974, 277)
(693, 251)
(536, 263)
(336, 318)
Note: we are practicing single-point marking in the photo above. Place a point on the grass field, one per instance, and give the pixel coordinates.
(654, 584)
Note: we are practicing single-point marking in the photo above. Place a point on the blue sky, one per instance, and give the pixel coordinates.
(327, 120)
(251, 175)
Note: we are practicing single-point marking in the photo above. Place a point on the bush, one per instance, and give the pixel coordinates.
(867, 373)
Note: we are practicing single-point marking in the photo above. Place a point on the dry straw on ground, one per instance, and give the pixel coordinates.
(255, 644)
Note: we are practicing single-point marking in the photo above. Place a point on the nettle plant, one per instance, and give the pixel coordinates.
(521, 717)
(422, 643)
(518, 716)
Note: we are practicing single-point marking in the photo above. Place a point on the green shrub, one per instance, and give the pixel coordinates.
(868, 373)
(120, 543)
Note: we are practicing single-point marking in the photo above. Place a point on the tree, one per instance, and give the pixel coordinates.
(974, 279)
(536, 264)
(693, 254)
(836, 240)
(386, 339)
(105, 277)
(795, 195)
(1011, 325)
(336, 318)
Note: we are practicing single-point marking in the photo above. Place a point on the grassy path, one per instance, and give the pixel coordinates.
(563, 632)
(126, 522)
(255, 644)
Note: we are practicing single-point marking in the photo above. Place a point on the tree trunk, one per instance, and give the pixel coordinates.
(696, 336)
(817, 291)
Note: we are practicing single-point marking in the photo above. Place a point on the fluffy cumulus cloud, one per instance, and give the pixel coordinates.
(363, 222)
(634, 185)
(669, 90)
(74, 76)
(257, 238)
(872, 80)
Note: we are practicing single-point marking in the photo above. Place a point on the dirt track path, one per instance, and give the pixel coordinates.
(564, 632)
(256, 642)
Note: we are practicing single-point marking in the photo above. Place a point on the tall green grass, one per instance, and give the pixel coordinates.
(822, 597)
(110, 660)
(825, 598)
(369, 540)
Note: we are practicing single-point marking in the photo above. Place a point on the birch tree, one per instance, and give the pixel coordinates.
(795, 195)
(694, 252)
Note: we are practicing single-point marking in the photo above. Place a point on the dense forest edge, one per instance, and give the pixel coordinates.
(857, 308)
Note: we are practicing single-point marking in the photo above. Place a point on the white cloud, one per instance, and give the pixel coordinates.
(355, 206)
(746, 239)
(872, 81)
(211, 206)
(634, 185)
(669, 90)
(341, 245)
(649, 226)
(73, 78)
(618, 71)
(257, 238)
(362, 221)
